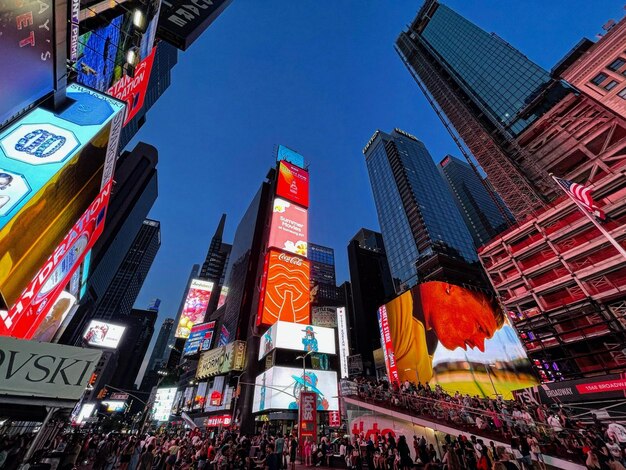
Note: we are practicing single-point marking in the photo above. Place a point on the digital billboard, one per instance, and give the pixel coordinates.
(114, 406)
(324, 316)
(40, 301)
(285, 290)
(86, 410)
(52, 166)
(104, 335)
(194, 307)
(279, 388)
(222, 360)
(297, 337)
(27, 40)
(55, 317)
(344, 348)
(307, 417)
(163, 404)
(117, 60)
(289, 227)
(293, 184)
(199, 338)
(455, 337)
(288, 155)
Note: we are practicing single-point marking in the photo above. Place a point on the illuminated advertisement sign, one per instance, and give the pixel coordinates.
(288, 155)
(222, 360)
(163, 404)
(215, 421)
(55, 317)
(324, 316)
(27, 40)
(199, 339)
(285, 293)
(52, 166)
(223, 295)
(40, 302)
(475, 347)
(279, 388)
(224, 337)
(85, 412)
(307, 417)
(194, 307)
(289, 227)
(344, 349)
(114, 406)
(104, 335)
(111, 60)
(293, 184)
(182, 21)
(297, 337)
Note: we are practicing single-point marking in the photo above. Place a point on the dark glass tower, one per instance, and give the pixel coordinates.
(214, 267)
(324, 290)
(482, 210)
(159, 354)
(418, 217)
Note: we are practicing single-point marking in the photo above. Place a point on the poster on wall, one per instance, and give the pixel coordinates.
(289, 227)
(195, 306)
(279, 389)
(297, 337)
(425, 339)
(293, 184)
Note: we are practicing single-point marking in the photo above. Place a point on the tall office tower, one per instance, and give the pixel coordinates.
(133, 195)
(481, 87)
(159, 355)
(324, 290)
(133, 346)
(483, 211)
(424, 233)
(177, 343)
(371, 286)
(165, 58)
(214, 267)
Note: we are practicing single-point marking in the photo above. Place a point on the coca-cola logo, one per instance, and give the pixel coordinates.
(290, 259)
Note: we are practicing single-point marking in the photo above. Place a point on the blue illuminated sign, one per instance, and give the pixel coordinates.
(285, 153)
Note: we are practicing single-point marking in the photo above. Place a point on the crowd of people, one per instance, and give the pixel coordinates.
(533, 431)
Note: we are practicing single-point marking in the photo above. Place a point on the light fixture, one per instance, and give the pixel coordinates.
(139, 20)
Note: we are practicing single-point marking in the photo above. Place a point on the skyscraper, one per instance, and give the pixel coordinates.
(159, 355)
(483, 211)
(324, 290)
(480, 86)
(214, 267)
(424, 234)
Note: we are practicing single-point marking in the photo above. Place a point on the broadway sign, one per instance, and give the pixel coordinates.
(44, 370)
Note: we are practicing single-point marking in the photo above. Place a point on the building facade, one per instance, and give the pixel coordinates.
(214, 267)
(158, 357)
(324, 290)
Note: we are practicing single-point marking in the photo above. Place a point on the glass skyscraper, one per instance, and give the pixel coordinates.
(417, 215)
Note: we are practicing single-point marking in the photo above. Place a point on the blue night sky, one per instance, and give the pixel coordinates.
(319, 77)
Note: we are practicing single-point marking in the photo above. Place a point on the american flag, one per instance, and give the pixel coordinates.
(581, 194)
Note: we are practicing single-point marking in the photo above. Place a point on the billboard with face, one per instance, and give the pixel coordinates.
(285, 290)
(199, 339)
(289, 227)
(293, 184)
(288, 155)
(195, 306)
(103, 335)
(458, 338)
(279, 388)
(27, 40)
(52, 166)
(297, 337)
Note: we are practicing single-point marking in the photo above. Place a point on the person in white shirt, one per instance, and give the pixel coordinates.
(617, 432)
(555, 423)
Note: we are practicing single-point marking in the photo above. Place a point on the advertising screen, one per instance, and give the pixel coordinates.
(293, 184)
(42, 307)
(455, 337)
(163, 404)
(344, 348)
(52, 166)
(199, 339)
(195, 306)
(104, 335)
(288, 155)
(113, 61)
(289, 227)
(222, 360)
(279, 388)
(307, 417)
(324, 316)
(297, 337)
(27, 40)
(114, 406)
(285, 293)
(86, 410)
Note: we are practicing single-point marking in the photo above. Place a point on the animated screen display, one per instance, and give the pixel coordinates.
(105, 335)
(199, 339)
(279, 388)
(163, 404)
(288, 155)
(285, 293)
(289, 227)
(55, 317)
(293, 184)
(297, 337)
(455, 337)
(195, 307)
(114, 406)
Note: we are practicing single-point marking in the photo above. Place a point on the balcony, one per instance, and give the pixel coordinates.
(562, 297)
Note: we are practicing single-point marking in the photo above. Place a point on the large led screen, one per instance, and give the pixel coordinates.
(289, 227)
(285, 289)
(104, 335)
(26, 54)
(297, 337)
(163, 403)
(293, 184)
(194, 307)
(52, 166)
(279, 388)
(288, 155)
(55, 317)
(199, 339)
(455, 337)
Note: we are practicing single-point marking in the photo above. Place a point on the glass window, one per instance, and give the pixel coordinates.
(609, 86)
(622, 94)
(598, 79)
(616, 64)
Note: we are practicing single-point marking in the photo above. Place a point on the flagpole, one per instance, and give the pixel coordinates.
(594, 221)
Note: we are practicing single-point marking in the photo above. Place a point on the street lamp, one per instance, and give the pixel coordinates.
(304, 367)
